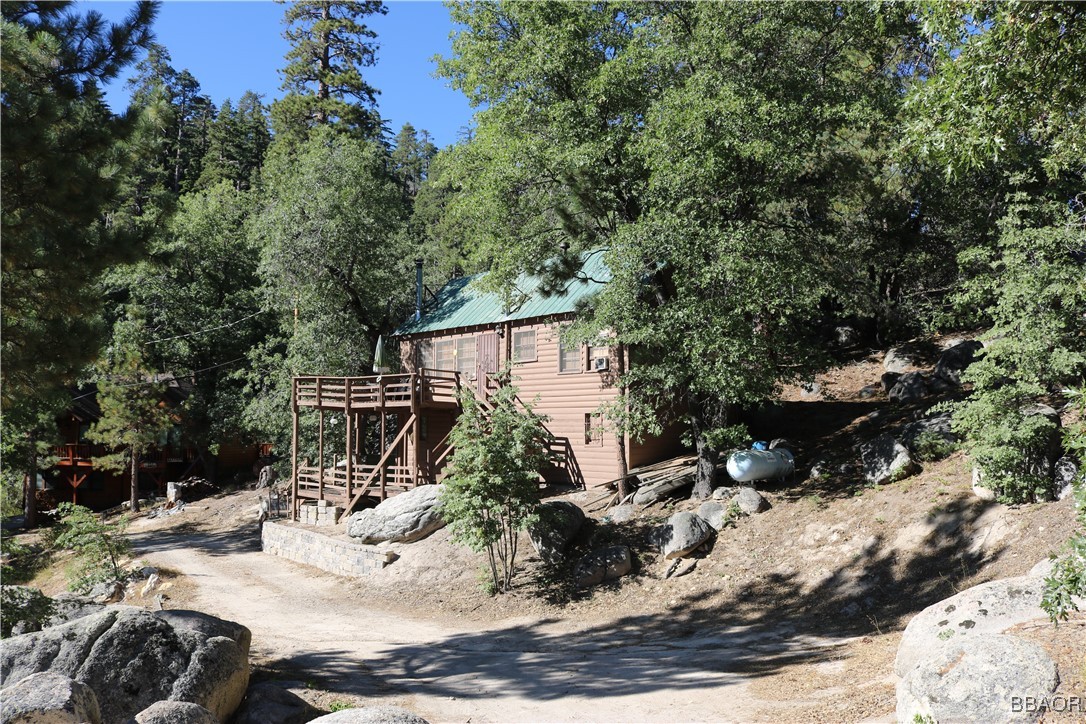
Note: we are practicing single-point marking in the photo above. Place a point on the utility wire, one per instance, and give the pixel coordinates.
(209, 329)
(175, 376)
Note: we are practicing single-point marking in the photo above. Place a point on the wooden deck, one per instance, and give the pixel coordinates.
(403, 464)
(432, 389)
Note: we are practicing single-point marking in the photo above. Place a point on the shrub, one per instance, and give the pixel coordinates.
(492, 491)
(99, 546)
(932, 446)
(1068, 576)
(21, 604)
(1004, 441)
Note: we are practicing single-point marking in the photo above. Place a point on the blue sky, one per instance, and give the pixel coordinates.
(232, 47)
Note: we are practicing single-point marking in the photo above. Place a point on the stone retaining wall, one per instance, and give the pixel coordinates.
(321, 551)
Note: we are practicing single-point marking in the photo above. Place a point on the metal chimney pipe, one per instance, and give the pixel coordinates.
(418, 289)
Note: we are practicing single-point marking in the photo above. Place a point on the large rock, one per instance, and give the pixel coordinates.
(715, 513)
(937, 425)
(750, 501)
(48, 698)
(886, 460)
(270, 701)
(977, 679)
(910, 387)
(900, 359)
(605, 564)
(953, 361)
(1065, 473)
(132, 658)
(403, 518)
(682, 533)
(559, 522)
(989, 608)
(175, 712)
(372, 715)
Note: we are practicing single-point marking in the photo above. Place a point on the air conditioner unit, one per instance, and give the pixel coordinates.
(601, 364)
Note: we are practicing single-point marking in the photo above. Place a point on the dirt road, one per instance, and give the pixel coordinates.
(311, 626)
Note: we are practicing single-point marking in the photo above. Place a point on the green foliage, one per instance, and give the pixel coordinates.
(733, 191)
(931, 446)
(492, 491)
(323, 80)
(99, 546)
(998, 102)
(339, 706)
(237, 141)
(62, 154)
(1068, 576)
(21, 604)
(200, 298)
(335, 268)
(131, 398)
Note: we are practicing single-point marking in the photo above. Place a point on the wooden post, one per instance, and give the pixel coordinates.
(347, 431)
(320, 451)
(294, 448)
(415, 466)
(381, 448)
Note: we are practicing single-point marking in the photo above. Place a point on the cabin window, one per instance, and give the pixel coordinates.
(593, 429)
(569, 356)
(445, 355)
(524, 346)
(465, 356)
(424, 354)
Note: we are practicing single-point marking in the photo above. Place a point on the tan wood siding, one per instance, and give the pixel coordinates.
(564, 397)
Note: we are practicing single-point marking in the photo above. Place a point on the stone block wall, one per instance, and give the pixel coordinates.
(319, 513)
(321, 551)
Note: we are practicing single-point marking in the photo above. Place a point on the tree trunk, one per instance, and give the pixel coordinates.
(30, 489)
(620, 434)
(210, 463)
(708, 456)
(134, 494)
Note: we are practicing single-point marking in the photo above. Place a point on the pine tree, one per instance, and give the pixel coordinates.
(411, 156)
(61, 153)
(329, 46)
(61, 149)
(185, 127)
(131, 400)
(237, 141)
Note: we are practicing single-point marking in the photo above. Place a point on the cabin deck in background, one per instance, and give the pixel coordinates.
(376, 405)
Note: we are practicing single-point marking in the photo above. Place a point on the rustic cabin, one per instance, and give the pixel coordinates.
(463, 336)
(74, 478)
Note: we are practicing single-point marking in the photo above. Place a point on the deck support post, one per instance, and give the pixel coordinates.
(348, 436)
(383, 442)
(320, 452)
(294, 449)
(417, 383)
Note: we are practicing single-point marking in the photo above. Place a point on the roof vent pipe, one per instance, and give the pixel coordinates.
(418, 289)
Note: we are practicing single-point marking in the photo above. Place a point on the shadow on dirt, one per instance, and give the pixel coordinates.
(702, 641)
(245, 539)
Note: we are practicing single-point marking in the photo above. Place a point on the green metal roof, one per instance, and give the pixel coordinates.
(460, 304)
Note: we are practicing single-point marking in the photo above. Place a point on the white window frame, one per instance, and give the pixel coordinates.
(562, 351)
(445, 354)
(466, 344)
(535, 351)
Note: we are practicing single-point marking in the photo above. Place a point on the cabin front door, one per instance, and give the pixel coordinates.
(486, 361)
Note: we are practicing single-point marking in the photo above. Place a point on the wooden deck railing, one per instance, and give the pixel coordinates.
(428, 387)
(84, 454)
